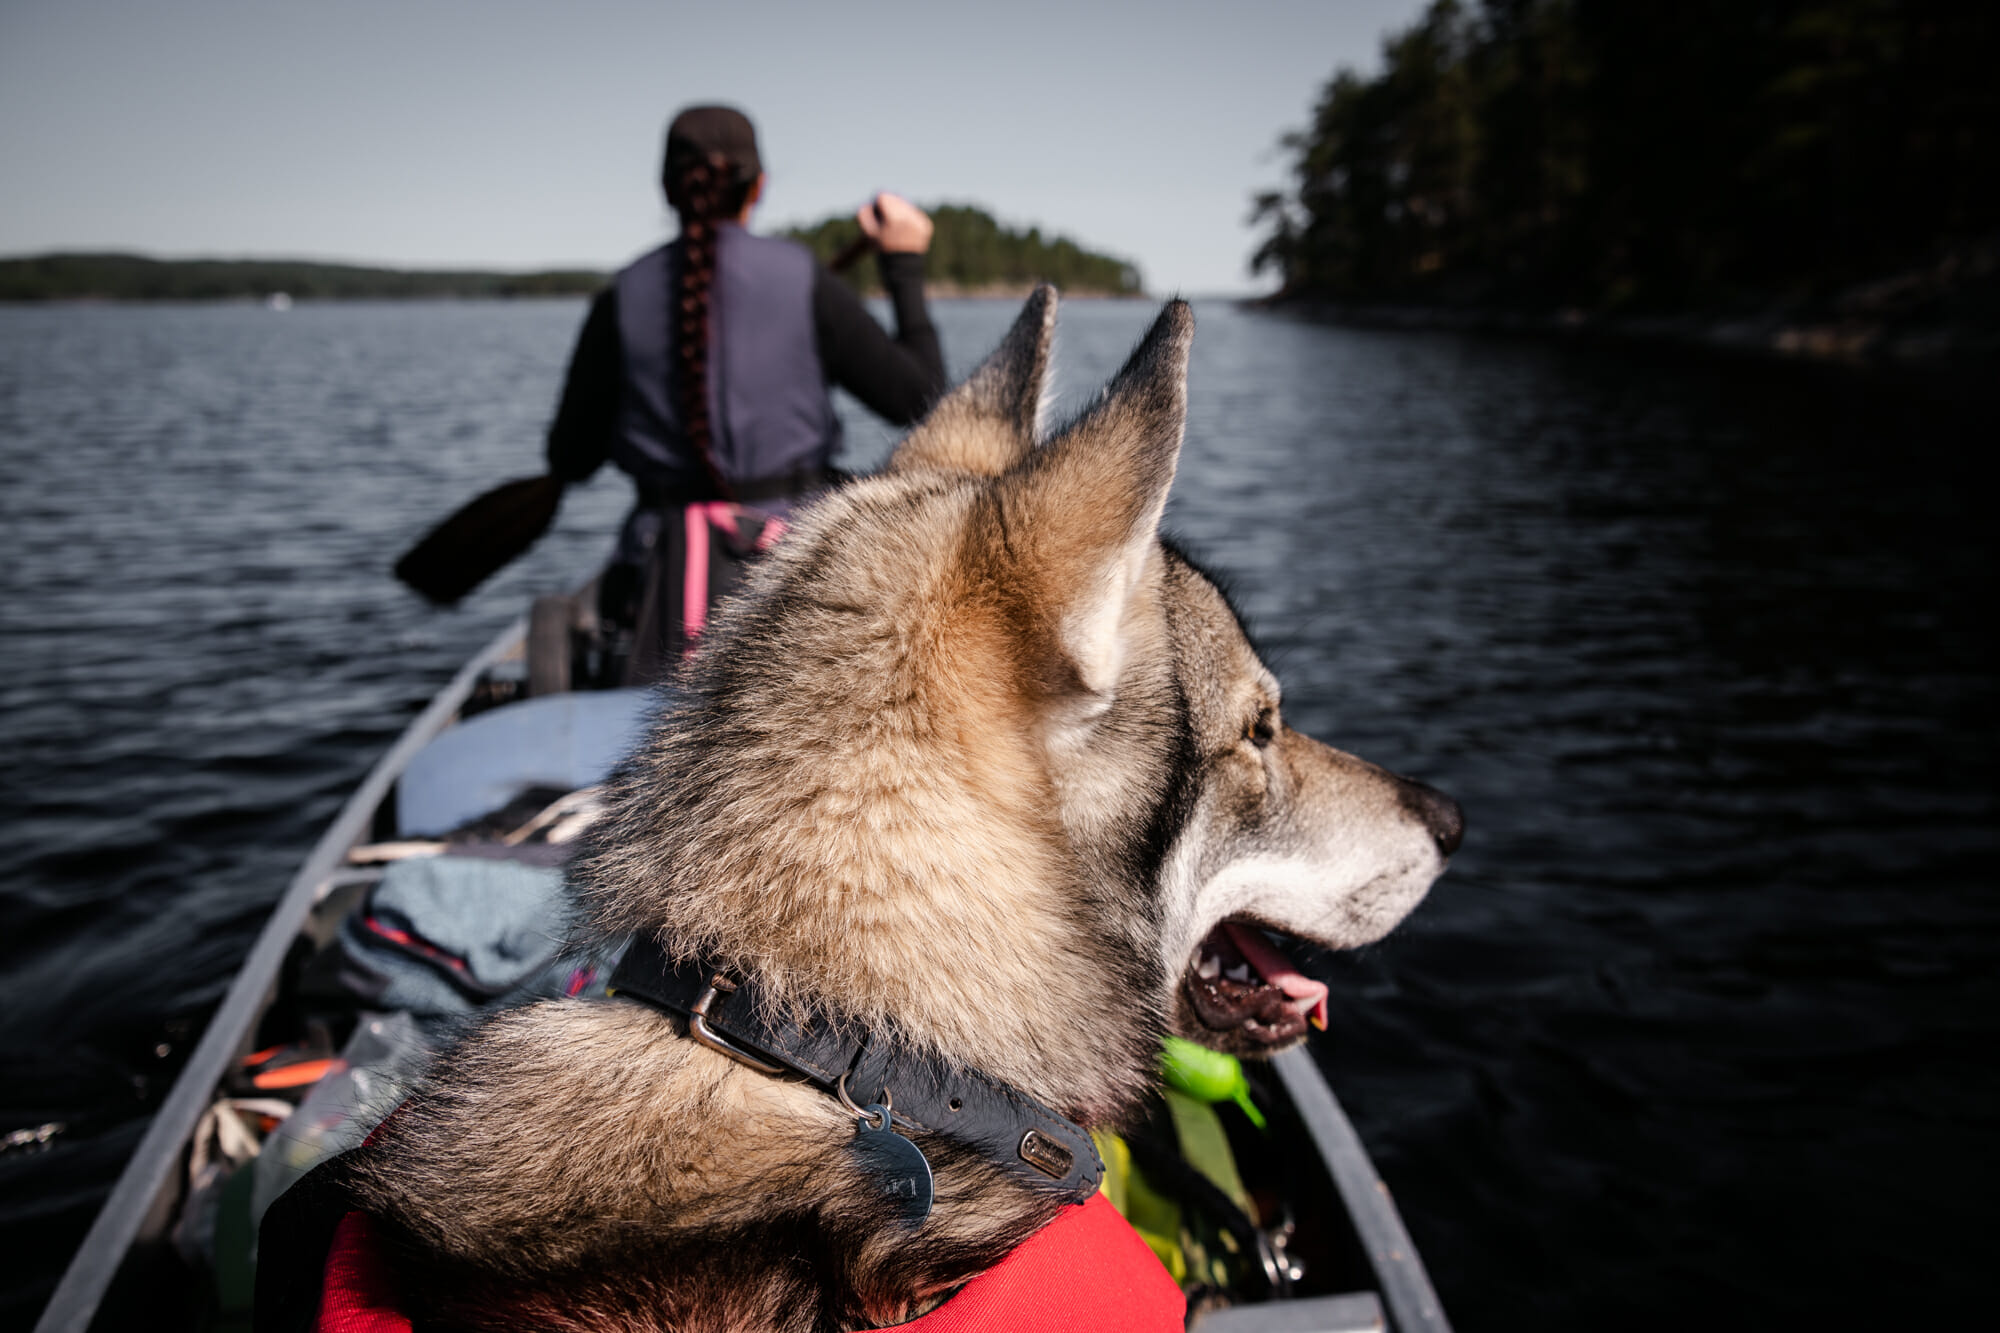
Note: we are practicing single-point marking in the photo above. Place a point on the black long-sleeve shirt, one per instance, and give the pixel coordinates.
(896, 378)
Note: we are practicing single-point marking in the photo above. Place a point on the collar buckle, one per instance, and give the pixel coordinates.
(698, 1028)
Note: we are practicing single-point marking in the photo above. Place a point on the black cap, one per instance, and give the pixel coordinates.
(711, 132)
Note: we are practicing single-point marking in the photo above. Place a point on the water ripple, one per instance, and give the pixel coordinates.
(1702, 648)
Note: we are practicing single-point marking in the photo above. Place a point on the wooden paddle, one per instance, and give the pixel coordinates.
(495, 528)
(490, 531)
(850, 254)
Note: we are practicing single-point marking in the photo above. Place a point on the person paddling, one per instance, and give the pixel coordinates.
(703, 372)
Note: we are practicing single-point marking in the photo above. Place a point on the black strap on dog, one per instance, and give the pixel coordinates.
(1031, 1143)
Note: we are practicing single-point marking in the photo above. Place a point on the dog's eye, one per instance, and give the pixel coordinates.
(1264, 730)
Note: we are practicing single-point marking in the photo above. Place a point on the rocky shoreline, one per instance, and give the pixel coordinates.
(1944, 318)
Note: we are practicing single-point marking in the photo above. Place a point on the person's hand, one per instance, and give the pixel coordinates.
(896, 225)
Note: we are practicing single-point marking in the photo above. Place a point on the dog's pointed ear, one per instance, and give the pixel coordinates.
(989, 423)
(1081, 515)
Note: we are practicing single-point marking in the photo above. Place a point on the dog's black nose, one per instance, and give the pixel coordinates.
(1439, 813)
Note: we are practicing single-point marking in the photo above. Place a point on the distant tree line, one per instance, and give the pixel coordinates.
(1615, 154)
(971, 252)
(120, 277)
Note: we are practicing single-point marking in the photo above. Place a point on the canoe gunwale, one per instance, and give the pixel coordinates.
(1405, 1286)
(137, 1195)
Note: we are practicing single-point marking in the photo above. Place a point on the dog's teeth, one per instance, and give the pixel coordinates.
(1210, 967)
(1241, 972)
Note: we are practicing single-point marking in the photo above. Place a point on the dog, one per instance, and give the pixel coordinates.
(975, 759)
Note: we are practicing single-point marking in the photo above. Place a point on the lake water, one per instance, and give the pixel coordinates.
(1700, 1026)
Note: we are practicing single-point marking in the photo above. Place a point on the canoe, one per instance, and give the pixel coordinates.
(1341, 1258)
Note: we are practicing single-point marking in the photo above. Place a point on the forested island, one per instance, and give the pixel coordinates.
(972, 254)
(1835, 160)
(124, 277)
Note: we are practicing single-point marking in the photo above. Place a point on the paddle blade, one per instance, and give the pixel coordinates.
(461, 552)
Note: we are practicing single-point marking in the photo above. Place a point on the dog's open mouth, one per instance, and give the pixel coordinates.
(1239, 980)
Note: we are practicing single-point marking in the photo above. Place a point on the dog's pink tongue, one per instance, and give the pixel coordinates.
(1277, 969)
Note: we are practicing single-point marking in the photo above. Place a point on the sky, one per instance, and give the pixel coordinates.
(510, 135)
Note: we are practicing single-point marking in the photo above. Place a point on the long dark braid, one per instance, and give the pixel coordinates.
(705, 190)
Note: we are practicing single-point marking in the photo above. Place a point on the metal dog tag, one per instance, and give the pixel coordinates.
(897, 1165)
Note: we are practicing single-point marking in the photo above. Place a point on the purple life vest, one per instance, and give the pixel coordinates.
(769, 407)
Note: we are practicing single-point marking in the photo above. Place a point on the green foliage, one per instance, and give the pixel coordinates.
(1609, 154)
(971, 252)
(115, 277)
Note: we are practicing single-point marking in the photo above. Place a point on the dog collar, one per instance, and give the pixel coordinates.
(1038, 1148)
